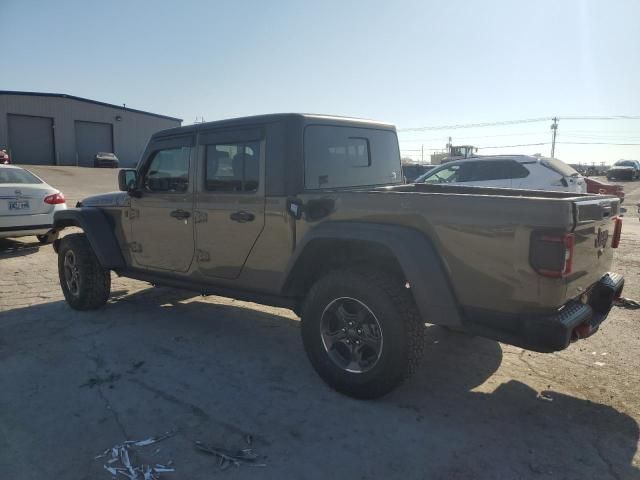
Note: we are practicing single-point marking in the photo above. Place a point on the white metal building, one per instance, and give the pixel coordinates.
(58, 129)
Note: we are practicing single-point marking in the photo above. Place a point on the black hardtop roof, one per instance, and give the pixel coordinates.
(273, 118)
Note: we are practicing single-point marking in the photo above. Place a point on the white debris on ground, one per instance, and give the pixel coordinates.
(119, 461)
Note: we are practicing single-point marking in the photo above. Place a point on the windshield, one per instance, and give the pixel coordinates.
(17, 175)
(448, 174)
(624, 163)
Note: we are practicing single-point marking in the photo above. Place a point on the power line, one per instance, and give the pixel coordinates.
(419, 149)
(517, 122)
(472, 125)
(605, 132)
(520, 145)
(598, 143)
(601, 117)
(612, 138)
(467, 137)
(559, 143)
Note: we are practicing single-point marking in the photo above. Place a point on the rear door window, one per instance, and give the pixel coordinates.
(233, 167)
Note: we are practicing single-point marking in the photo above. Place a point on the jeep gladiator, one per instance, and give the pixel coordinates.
(310, 212)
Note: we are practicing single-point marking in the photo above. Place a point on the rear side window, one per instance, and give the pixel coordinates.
(233, 167)
(560, 167)
(338, 157)
(17, 175)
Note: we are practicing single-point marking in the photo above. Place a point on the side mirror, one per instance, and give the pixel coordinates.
(127, 180)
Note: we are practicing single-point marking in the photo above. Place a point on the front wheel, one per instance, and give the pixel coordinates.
(86, 285)
(362, 331)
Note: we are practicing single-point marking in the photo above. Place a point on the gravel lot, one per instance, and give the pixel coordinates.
(155, 359)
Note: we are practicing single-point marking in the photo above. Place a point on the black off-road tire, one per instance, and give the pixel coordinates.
(92, 286)
(402, 330)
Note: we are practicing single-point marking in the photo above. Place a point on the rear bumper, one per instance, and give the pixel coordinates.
(579, 318)
(105, 164)
(24, 231)
(24, 225)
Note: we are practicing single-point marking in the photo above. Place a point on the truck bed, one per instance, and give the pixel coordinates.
(484, 236)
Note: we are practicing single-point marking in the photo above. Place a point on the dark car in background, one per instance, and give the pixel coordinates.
(598, 186)
(624, 170)
(106, 159)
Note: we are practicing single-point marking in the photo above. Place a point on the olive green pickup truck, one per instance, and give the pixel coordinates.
(310, 212)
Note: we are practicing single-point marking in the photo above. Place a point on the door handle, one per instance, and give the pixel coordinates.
(242, 217)
(180, 214)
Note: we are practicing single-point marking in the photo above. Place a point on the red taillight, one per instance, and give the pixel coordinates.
(617, 231)
(552, 255)
(54, 199)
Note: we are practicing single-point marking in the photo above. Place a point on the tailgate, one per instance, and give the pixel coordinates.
(594, 226)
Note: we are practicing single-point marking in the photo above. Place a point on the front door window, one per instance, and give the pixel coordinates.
(168, 172)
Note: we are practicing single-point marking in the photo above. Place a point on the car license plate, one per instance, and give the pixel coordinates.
(18, 204)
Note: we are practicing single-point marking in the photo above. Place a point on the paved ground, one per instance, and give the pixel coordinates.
(73, 384)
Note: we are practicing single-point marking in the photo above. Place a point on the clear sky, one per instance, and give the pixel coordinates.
(411, 63)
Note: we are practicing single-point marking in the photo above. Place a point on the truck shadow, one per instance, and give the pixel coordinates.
(10, 247)
(224, 370)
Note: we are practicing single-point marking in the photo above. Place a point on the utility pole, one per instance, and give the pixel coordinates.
(422, 154)
(554, 130)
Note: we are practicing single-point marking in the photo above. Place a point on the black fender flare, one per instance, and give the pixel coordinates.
(418, 258)
(99, 231)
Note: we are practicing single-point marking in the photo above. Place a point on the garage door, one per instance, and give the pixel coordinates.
(91, 138)
(31, 139)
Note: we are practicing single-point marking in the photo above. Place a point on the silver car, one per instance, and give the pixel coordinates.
(27, 204)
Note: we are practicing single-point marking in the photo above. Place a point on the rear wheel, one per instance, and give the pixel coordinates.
(362, 331)
(85, 284)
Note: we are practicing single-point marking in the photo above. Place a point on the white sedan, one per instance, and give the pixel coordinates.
(27, 204)
(508, 171)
